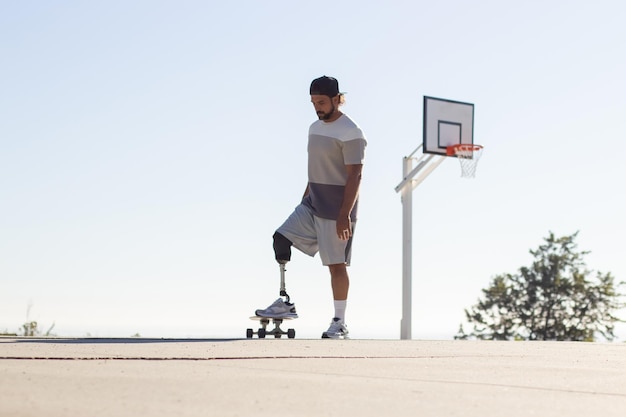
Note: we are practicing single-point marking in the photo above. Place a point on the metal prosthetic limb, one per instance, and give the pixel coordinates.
(282, 250)
(283, 291)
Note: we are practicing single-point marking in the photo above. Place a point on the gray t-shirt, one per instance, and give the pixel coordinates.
(331, 147)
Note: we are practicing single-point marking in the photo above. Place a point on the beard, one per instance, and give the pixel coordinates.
(326, 116)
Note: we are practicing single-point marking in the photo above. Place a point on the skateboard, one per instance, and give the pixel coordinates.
(277, 332)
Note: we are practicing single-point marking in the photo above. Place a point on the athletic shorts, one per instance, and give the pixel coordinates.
(311, 234)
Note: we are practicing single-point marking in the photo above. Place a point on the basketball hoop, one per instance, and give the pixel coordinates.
(468, 155)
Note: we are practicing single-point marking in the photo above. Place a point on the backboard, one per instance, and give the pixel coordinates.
(446, 123)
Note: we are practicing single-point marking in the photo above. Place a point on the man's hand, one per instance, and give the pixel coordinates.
(344, 227)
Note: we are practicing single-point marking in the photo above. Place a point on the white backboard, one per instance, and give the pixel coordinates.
(446, 123)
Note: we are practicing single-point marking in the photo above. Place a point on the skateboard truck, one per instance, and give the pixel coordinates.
(263, 331)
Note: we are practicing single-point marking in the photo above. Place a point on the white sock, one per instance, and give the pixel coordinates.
(340, 309)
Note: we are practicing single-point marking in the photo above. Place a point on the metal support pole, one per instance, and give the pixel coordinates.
(407, 248)
(406, 188)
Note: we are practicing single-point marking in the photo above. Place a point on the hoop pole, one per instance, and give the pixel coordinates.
(406, 188)
(407, 249)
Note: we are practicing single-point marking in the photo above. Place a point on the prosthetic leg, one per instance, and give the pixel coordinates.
(282, 251)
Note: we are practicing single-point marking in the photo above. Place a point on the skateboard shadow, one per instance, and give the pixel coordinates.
(115, 340)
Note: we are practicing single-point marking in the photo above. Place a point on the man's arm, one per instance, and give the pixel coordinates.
(350, 195)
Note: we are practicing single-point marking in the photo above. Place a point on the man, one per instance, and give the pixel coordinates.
(325, 219)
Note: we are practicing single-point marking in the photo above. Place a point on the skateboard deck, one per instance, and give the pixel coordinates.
(277, 332)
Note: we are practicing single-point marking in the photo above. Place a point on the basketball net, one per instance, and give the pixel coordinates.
(468, 155)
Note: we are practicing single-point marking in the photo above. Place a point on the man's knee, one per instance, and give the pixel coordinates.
(282, 248)
(338, 269)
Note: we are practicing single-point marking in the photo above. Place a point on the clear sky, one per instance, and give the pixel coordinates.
(149, 149)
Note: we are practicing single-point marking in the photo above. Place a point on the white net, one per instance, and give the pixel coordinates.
(468, 156)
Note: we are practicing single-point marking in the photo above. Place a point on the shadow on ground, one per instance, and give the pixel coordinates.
(112, 340)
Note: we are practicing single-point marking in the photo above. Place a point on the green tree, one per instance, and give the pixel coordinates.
(556, 298)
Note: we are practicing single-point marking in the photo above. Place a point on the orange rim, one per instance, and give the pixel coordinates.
(452, 150)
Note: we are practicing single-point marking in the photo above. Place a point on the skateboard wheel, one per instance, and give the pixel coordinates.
(261, 333)
(249, 333)
(291, 333)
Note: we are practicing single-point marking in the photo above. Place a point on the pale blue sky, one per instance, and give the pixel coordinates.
(148, 150)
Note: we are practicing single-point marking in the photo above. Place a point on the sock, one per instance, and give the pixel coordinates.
(340, 309)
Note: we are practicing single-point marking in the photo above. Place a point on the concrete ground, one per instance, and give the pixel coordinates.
(190, 377)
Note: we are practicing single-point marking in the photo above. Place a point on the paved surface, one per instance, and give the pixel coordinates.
(164, 377)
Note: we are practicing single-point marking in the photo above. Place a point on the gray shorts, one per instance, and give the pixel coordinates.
(311, 234)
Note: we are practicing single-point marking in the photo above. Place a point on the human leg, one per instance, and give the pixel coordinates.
(298, 230)
(280, 308)
(336, 254)
(340, 281)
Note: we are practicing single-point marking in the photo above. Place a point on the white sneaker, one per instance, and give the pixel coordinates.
(337, 330)
(278, 310)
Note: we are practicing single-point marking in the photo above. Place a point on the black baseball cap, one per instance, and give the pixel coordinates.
(324, 86)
